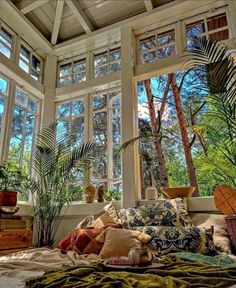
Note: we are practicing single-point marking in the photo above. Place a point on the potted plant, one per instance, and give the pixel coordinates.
(12, 181)
(56, 159)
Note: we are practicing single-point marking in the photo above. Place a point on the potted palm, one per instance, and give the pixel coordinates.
(56, 159)
(12, 181)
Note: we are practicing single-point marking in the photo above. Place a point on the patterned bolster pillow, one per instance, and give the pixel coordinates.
(166, 239)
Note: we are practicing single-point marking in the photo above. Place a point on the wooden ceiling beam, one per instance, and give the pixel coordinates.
(26, 6)
(149, 5)
(80, 15)
(57, 21)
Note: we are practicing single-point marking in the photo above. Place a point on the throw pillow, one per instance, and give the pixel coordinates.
(118, 242)
(170, 212)
(86, 222)
(220, 236)
(174, 239)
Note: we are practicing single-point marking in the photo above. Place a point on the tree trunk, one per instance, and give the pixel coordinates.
(142, 184)
(157, 141)
(184, 134)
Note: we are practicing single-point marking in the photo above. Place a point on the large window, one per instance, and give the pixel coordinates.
(23, 128)
(30, 63)
(6, 42)
(157, 46)
(3, 99)
(107, 62)
(214, 27)
(106, 133)
(72, 72)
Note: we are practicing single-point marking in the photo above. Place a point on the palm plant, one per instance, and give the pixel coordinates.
(221, 116)
(55, 159)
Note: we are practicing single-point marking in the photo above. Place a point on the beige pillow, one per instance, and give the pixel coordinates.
(118, 242)
(220, 236)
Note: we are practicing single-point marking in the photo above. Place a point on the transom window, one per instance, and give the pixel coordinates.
(30, 63)
(157, 46)
(107, 62)
(3, 99)
(215, 27)
(107, 134)
(23, 129)
(6, 43)
(73, 72)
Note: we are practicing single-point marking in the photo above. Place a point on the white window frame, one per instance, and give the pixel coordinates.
(6, 98)
(13, 35)
(110, 181)
(31, 68)
(203, 17)
(72, 61)
(109, 63)
(36, 127)
(155, 33)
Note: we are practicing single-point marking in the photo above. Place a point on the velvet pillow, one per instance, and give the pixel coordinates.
(175, 239)
(169, 212)
(118, 242)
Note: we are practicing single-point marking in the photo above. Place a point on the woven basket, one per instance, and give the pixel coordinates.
(231, 229)
(225, 199)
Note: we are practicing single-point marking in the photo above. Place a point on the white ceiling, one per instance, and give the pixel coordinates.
(61, 20)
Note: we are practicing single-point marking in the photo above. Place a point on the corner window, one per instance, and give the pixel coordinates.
(6, 43)
(215, 27)
(3, 99)
(107, 62)
(30, 63)
(72, 73)
(107, 135)
(157, 46)
(23, 128)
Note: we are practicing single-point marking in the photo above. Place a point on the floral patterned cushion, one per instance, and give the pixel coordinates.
(170, 212)
(174, 239)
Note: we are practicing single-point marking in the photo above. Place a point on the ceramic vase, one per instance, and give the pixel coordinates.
(151, 193)
(90, 193)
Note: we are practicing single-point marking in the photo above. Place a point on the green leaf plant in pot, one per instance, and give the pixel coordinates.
(56, 159)
(12, 181)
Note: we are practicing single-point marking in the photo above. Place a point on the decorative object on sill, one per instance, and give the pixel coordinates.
(230, 221)
(178, 192)
(101, 192)
(140, 256)
(8, 209)
(151, 193)
(225, 199)
(90, 193)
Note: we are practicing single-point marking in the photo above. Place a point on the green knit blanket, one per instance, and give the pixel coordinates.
(177, 273)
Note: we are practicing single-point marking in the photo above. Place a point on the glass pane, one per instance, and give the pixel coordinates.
(24, 66)
(166, 51)
(25, 54)
(116, 138)
(35, 63)
(80, 77)
(149, 57)
(195, 29)
(79, 66)
(147, 44)
(5, 51)
(115, 67)
(6, 38)
(100, 59)
(2, 110)
(77, 108)
(65, 70)
(3, 85)
(34, 74)
(32, 105)
(217, 21)
(99, 102)
(65, 81)
(219, 36)
(166, 38)
(115, 55)
(99, 72)
(21, 97)
(63, 128)
(63, 110)
(77, 130)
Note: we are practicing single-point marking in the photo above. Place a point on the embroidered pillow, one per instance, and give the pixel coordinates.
(165, 240)
(170, 212)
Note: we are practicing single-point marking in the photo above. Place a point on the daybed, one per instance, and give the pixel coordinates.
(165, 227)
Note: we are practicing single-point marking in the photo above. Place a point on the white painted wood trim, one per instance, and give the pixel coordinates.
(27, 6)
(57, 21)
(148, 4)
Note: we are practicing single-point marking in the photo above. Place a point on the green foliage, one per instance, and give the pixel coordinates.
(55, 160)
(112, 195)
(12, 178)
